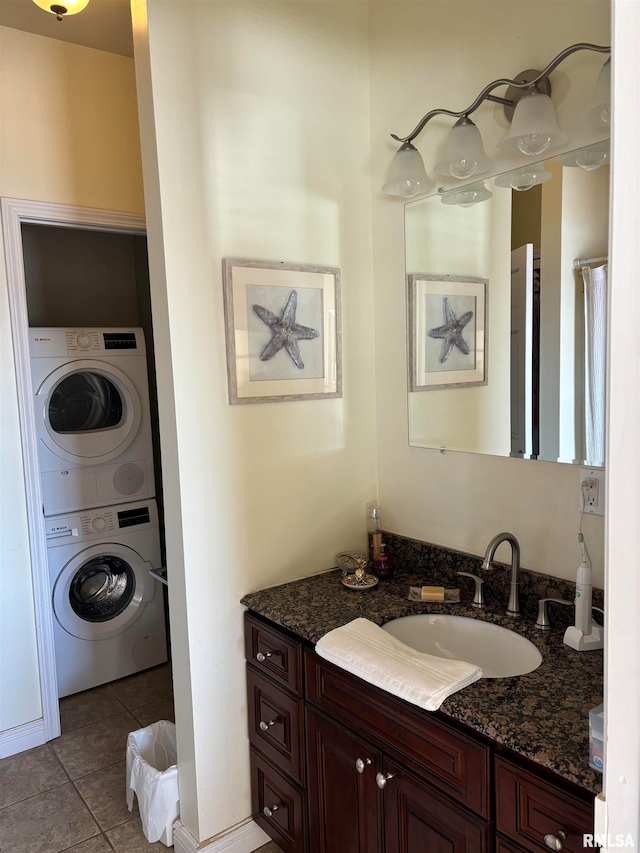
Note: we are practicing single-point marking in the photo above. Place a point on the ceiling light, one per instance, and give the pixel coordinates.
(60, 10)
(464, 153)
(467, 196)
(523, 179)
(407, 175)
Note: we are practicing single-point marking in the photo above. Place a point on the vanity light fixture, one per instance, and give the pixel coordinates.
(523, 179)
(467, 196)
(60, 10)
(588, 158)
(407, 175)
(464, 153)
(527, 105)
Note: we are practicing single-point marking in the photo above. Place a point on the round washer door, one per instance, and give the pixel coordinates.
(101, 591)
(90, 412)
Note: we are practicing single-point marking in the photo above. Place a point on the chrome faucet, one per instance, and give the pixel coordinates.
(513, 608)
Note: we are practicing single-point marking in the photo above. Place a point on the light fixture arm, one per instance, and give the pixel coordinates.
(485, 94)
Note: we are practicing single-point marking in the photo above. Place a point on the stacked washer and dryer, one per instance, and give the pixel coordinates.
(93, 424)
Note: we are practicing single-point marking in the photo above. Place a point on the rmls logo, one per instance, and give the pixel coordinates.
(608, 841)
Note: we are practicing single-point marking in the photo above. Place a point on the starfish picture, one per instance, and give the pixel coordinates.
(285, 331)
(451, 332)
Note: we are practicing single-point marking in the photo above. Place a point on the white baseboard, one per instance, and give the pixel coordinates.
(21, 738)
(244, 837)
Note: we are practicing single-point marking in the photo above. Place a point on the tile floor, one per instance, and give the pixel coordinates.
(69, 795)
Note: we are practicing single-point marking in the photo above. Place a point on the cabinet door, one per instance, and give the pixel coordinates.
(538, 814)
(345, 814)
(417, 819)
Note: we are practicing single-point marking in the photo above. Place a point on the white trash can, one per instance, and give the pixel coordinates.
(152, 773)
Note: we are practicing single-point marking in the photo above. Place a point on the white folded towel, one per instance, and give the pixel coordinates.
(365, 650)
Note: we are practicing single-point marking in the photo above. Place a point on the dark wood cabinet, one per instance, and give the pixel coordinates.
(347, 812)
(338, 766)
(417, 819)
(537, 813)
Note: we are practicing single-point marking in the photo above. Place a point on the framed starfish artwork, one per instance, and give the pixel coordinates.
(447, 317)
(283, 335)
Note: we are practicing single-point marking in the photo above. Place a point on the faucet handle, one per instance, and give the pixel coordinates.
(478, 597)
(542, 622)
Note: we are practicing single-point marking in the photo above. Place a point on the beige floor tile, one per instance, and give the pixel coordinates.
(161, 709)
(271, 847)
(129, 838)
(46, 823)
(95, 746)
(105, 794)
(99, 844)
(144, 687)
(88, 707)
(29, 773)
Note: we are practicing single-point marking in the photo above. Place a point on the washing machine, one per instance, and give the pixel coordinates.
(109, 618)
(91, 397)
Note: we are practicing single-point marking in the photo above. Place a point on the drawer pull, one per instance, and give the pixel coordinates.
(268, 812)
(261, 657)
(266, 726)
(361, 765)
(555, 842)
(382, 779)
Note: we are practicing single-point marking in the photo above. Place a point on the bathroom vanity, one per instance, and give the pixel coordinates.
(340, 766)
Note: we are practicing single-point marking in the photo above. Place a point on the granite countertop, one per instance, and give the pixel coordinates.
(543, 715)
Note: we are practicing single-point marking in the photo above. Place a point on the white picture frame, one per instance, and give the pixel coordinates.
(283, 331)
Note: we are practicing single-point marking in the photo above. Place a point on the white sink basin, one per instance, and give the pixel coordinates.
(500, 652)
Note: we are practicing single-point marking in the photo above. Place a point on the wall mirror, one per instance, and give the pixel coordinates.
(506, 334)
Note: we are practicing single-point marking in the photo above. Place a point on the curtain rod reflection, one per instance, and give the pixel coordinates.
(584, 262)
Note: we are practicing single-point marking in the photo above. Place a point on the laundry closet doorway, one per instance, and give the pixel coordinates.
(68, 267)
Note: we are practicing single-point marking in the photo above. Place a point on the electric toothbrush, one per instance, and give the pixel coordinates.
(585, 634)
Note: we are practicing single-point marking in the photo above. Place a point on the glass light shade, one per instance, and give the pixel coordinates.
(65, 7)
(464, 154)
(407, 175)
(600, 112)
(534, 128)
(467, 196)
(588, 158)
(523, 179)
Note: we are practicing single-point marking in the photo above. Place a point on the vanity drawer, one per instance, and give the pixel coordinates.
(274, 653)
(278, 806)
(446, 758)
(276, 724)
(528, 808)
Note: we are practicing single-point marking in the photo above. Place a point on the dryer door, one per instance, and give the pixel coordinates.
(101, 591)
(87, 412)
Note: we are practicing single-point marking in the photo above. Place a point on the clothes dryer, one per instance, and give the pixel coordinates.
(108, 610)
(91, 397)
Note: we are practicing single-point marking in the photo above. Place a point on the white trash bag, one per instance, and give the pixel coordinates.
(153, 774)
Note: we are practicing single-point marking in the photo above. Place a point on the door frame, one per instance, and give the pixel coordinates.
(15, 212)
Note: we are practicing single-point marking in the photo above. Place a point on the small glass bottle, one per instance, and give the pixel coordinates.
(382, 566)
(374, 528)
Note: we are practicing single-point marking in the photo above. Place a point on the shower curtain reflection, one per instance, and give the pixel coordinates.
(595, 345)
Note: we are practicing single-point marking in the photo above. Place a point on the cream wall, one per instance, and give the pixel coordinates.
(438, 54)
(262, 128)
(68, 134)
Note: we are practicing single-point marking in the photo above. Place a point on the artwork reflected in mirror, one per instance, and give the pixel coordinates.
(532, 382)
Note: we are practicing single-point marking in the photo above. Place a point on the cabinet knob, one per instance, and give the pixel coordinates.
(268, 812)
(262, 657)
(555, 842)
(361, 765)
(266, 726)
(382, 779)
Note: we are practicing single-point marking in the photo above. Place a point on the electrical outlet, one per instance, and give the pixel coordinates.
(592, 490)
